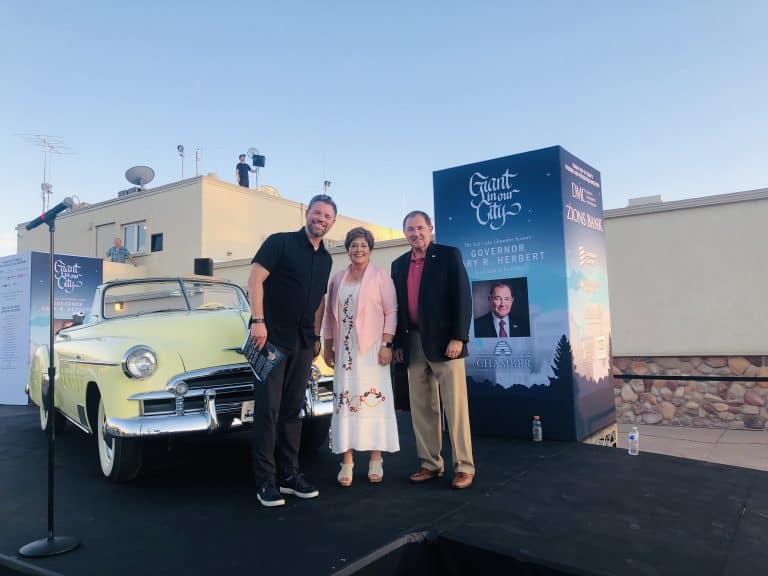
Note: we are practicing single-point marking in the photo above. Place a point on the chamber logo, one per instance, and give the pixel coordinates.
(502, 349)
(493, 198)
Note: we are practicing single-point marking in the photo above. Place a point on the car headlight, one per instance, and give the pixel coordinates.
(139, 362)
(314, 373)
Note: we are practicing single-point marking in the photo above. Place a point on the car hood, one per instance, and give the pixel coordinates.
(201, 339)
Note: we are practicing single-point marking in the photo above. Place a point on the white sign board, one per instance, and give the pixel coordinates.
(15, 274)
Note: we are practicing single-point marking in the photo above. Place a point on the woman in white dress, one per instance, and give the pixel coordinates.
(358, 328)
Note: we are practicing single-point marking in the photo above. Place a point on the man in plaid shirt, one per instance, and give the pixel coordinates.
(119, 253)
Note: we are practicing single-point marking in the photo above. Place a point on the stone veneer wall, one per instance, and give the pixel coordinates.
(710, 403)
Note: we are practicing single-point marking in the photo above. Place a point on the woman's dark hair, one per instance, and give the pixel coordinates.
(359, 232)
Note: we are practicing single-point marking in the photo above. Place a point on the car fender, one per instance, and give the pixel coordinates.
(38, 369)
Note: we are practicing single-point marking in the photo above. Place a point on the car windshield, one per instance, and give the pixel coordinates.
(139, 298)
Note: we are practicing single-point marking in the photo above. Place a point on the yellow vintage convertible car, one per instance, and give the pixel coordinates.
(159, 356)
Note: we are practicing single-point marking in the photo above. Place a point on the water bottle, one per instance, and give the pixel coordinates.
(537, 433)
(634, 442)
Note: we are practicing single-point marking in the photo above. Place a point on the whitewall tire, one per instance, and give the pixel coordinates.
(120, 458)
(59, 422)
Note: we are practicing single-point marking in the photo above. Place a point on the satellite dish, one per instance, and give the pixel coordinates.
(140, 175)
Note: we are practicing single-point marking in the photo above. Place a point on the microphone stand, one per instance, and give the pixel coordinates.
(51, 545)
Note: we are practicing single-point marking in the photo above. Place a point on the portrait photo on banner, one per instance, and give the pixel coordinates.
(500, 308)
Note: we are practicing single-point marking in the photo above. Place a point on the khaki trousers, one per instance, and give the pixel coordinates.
(429, 383)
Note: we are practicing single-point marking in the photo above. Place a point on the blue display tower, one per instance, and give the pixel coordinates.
(530, 228)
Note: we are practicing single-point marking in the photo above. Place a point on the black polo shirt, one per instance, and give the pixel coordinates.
(297, 281)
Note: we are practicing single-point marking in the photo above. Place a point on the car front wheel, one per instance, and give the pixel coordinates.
(120, 458)
(59, 422)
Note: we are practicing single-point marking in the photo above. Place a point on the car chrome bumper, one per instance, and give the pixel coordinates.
(318, 402)
(319, 398)
(183, 423)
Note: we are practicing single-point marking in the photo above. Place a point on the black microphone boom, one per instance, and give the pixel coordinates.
(49, 216)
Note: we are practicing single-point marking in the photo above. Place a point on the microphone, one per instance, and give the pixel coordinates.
(49, 216)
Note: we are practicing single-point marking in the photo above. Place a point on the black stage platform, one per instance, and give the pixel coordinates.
(554, 508)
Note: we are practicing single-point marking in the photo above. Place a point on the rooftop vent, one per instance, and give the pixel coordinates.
(643, 200)
(268, 190)
(127, 191)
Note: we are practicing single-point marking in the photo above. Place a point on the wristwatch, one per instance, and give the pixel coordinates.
(386, 344)
(255, 321)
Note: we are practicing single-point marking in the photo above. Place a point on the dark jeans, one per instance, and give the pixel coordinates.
(276, 422)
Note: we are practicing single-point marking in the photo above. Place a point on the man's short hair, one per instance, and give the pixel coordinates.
(356, 233)
(325, 199)
(499, 285)
(241, 156)
(421, 213)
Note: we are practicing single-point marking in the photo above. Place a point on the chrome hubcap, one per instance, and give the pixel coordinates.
(106, 445)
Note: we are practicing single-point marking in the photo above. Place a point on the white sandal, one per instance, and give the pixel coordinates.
(375, 470)
(344, 477)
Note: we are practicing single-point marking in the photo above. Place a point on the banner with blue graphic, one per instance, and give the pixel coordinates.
(75, 279)
(589, 313)
(509, 218)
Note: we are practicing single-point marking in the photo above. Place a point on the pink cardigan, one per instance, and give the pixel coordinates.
(376, 312)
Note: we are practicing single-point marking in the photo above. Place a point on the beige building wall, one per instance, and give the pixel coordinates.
(201, 217)
(173, 210)
(118, 271)
(685, 278)
(383, 254)
(236, 221)
(690, 278)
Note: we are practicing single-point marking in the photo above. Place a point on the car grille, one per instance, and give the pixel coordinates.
(232, 387)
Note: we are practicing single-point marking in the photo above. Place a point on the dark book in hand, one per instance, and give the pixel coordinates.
(262, 361)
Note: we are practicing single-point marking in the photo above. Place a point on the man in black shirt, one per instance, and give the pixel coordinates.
(287, 284)
(241, 172)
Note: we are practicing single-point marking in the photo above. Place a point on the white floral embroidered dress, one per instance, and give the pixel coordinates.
(364, 409)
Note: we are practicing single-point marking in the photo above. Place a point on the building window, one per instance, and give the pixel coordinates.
(157, 242)
(135, 237)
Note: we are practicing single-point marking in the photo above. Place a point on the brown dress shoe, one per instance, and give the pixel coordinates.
(462, 480)
(423, 474)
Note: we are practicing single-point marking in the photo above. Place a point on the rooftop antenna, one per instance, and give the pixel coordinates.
(51, 145)
(140, 175)
(199, 156)
(326, 182)
(180, 150)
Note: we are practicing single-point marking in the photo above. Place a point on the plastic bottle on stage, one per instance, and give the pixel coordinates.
(634, 442)
(538, 435)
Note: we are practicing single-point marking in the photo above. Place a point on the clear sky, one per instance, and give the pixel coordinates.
(662, 98)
